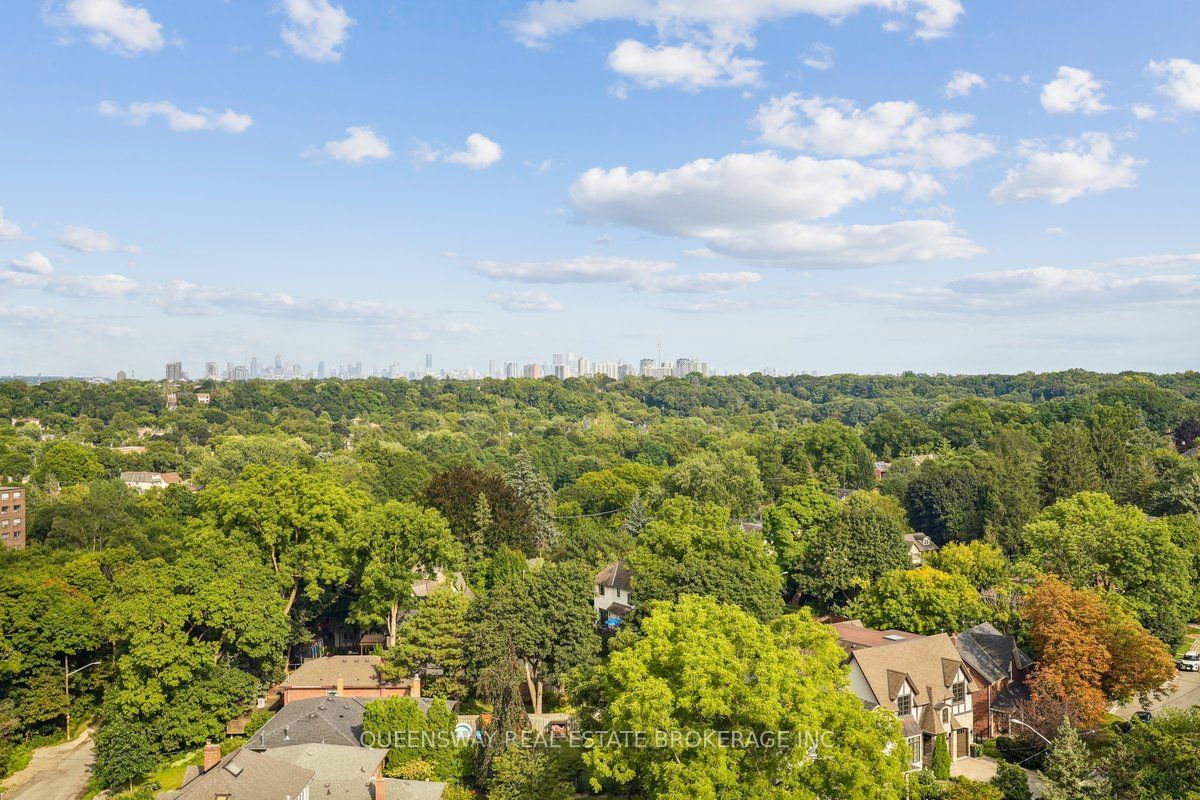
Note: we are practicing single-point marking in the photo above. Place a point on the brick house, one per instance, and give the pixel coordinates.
(12, 517)
(997, 668)
(344, 676)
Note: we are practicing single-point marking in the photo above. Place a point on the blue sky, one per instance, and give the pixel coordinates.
(880, 186)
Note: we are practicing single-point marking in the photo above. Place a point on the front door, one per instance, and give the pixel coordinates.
(962, 747)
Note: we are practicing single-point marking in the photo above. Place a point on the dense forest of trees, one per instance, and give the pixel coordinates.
(1064, 502)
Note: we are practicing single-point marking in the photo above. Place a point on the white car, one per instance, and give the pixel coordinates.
(1189, 663)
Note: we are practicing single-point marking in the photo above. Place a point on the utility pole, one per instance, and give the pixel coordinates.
(67, 673)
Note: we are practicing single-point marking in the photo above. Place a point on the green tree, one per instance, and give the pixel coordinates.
(398, 542)
(1158, 759)
(124, 754)
(435, 637)
(546, 617)
(499, 686)
(727, 479)
(831, 453)
(1068, 463)
(1012, 782)
(68, 463)
(534, 490)
(945, 498)
(966, 422)
(299, 520)
(1069, 769)
(894, 434)
(802, 515)
(924, 600)
(522, 773)
(698, 666)
(864, 542)
(980, 563)
(940, 764)
(694, 549)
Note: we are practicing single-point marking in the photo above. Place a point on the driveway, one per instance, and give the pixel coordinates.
(58, 772)
(983, 769)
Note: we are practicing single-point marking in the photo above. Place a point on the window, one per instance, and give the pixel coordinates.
(600, 590)
(904, 705)
(958, 692)
(945, 716)
(914, 744)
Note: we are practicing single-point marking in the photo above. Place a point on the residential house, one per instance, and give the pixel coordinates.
(145, 481)
(925, 683)
(203, 398)
(344, 676)
(172, 401)
(997, 668)
(299, 772)
(919, 546)
(12, 517)
(322, 720)
(881, 469)
(853, 635)
(613, 598)
(423, 587)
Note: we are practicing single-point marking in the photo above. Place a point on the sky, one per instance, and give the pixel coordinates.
(803, 185)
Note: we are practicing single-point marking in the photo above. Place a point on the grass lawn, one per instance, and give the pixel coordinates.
(170, 777)
(1193, 630)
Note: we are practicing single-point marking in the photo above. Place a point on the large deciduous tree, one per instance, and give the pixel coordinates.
(728, 479)
(397, 543)
(865, 541)
(698, 667)
(801, 516)
(924, 600)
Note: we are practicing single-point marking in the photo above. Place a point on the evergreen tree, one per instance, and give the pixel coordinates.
(500, 686)
(941, 758)
(534, 489)
(1012, 782)
(636, 519)
(434, 637)
(1069, 769)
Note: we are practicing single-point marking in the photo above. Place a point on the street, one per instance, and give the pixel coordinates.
(1185, 695)
(58, 772)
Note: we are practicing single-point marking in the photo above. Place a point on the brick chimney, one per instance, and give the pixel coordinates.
(379, 788)
(212, 755)
(341, 686)
(416, 685)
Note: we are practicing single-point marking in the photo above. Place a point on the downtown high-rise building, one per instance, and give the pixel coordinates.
(174, 371)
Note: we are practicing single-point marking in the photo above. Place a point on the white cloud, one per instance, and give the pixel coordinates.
(685, 66)
(315, 29)
(1181, 81)
(820, 57)
(1074, 90)
(1143, 111)
(480, 153)
(742, 188)
(1086, 165)
(650, 276)
(1038, 290)
(718, 21)
(963, 83)
(88, 240)
(361, 145)
(1055, 230)
(1159, 260)
(202, 119)
(897, 132)
(112, 25)
(32, 264)
(9, 230)
(533, 300)
(585, 269)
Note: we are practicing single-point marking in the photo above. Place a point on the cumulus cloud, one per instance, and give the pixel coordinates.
(1087, 165)
(685, 66)
(650, 276)
(758, 207)
(1143, 111)
(545, 19)
(316, 29)
(820, 57)
(9, 230)
(32, 264)
(1180, 82)
(963, 83)
(480, 153)
(362, 144)
(88, 240)
(533, 300)
(896, 133)
(112, 25)
(1074, 90)
(202, 119)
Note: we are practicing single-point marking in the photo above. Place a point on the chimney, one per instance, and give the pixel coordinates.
(379, 788)
(212, 755)
(416, 685)
(341, 686)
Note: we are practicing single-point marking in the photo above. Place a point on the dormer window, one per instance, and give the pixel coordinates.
(600, 589)
(958, 692)
(904, 705)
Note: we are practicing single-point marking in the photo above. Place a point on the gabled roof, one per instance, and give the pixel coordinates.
(355, 672)
(247, 775)
(921, 541)
(929, 663)
(615, 576)
(320, 720)
(990, 653)
(853, 635)
(332, 762)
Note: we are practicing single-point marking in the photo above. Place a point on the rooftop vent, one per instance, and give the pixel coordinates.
(233, 769)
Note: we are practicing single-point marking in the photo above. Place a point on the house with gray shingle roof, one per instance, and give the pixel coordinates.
(998, 669)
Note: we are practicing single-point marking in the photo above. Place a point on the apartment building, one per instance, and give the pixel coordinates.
(12, 516)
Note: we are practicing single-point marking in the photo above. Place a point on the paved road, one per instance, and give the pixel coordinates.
(1185, 695)
(59, 772)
